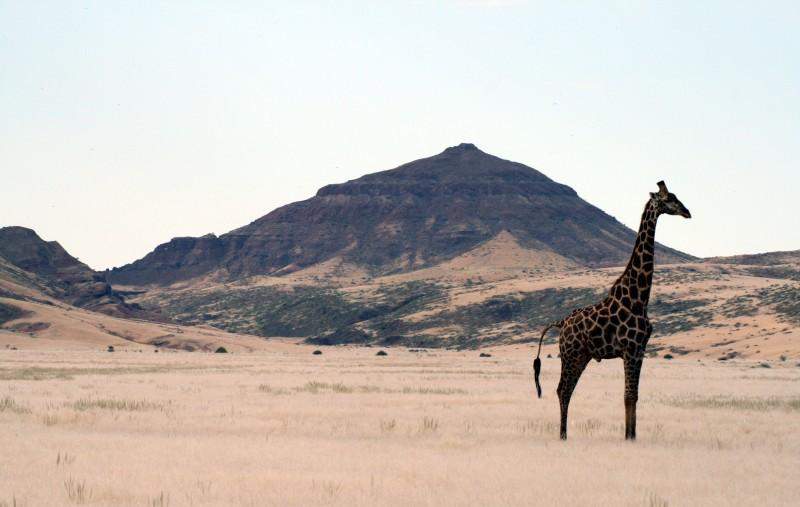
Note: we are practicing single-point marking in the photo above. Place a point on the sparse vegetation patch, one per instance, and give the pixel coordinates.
(8, 404)
(733, 403)
(112, 404)
(678, 315)
(785, 272)
(739, 306)
(10, 312)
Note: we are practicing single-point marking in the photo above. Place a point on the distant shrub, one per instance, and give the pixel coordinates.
(484, 354)
(381, 353)
(317, 352)
(221, 350)
(110, 348)
(668, 356)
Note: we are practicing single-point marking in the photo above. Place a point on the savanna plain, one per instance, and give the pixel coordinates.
(282, 426)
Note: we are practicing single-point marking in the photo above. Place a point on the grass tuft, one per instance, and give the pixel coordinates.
(8, 404)
(429, 425)
(111, 404)
(387, 426)
(64, 459)
(77, 492)
(161, 500)
(654, 500)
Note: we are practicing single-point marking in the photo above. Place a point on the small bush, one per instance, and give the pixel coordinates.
(110, 348)
(221, 350)
(317, 352)
(381, 353)
(668, 356)
(484, 354)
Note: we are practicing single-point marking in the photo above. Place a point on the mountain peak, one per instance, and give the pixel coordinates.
(461, 148)
(18, 230)
(24, 248)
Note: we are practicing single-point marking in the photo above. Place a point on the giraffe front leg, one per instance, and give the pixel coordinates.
(633, 367)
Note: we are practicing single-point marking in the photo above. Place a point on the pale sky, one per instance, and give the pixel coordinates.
(124, 124)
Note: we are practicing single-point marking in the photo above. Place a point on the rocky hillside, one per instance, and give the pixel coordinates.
(414, 216)
(486, 297)
(28, 263)
(771, 264)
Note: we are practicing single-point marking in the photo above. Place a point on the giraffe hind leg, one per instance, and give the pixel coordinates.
(571, 370)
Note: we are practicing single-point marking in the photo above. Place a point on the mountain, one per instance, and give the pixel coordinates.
(28, 263)
(459, 250)
(414, 216)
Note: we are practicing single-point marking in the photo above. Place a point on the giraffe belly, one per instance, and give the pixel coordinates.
(603, 348)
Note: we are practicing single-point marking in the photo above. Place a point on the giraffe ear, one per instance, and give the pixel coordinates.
(662, 188)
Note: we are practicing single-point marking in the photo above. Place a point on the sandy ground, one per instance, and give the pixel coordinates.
(281, 426)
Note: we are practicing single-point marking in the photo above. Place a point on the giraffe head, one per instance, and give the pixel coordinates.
(667, 202)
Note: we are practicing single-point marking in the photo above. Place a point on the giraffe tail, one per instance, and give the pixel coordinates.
(537, 363)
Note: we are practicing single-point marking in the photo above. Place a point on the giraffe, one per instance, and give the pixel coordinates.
(618, 325)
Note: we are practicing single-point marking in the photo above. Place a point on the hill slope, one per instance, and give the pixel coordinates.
(490, 297)
(30, 265)
(50, 324)
(413, 216)
(46, 295)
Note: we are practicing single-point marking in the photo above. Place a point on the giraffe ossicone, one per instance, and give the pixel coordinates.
(618, 325)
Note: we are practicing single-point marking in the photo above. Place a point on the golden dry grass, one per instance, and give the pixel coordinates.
(284, 427)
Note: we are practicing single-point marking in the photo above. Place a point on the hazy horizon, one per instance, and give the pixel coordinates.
(126, 125)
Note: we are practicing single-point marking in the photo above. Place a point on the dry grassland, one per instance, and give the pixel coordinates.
(285, 427)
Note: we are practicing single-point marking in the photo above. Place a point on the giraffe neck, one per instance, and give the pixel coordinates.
(638, 275)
